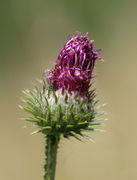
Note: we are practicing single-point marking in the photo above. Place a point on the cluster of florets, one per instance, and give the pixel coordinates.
(65, 104)
(74, 65)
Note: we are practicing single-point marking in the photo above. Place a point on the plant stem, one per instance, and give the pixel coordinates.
(51, 155)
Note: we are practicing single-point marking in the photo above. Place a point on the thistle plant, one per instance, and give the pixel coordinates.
(64, 105)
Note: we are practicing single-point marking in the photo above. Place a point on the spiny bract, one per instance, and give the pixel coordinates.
(61, 113)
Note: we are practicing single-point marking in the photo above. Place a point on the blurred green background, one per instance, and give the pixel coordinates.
(31, 34)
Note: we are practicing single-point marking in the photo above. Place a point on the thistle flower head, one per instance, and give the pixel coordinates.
(69, 108)
(74, 65)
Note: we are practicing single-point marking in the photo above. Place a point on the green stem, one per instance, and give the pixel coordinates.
(51, 155)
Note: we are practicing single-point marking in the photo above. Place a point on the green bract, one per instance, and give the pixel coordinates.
(61, 113)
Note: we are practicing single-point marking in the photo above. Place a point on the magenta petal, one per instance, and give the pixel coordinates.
(75, 64)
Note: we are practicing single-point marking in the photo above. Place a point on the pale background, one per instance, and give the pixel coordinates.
(31, 35)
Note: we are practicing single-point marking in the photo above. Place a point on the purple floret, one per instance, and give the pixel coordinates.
(74, 65)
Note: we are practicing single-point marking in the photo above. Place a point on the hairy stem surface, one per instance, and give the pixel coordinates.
(51, 155)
